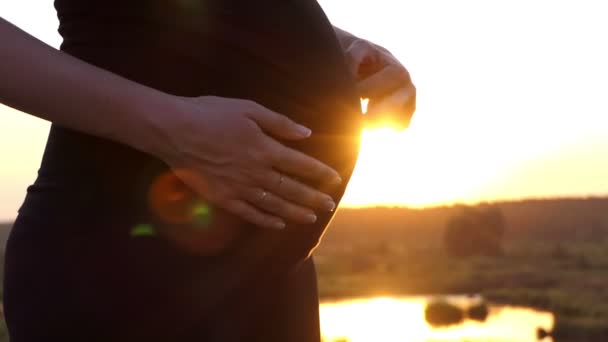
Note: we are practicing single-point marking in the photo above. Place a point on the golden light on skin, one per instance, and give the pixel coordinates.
(393, 319)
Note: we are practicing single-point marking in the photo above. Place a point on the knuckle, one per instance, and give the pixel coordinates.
(255, 157)
(284, 207)
(311, 198)
(308, 195)
(258, 176)
(252, 110)
(279, 156)
(266, 152)
(251, 125)
(251, 105)
(298, 193)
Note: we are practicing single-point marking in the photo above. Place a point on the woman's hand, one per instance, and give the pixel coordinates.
(384, 80)
(224, 149)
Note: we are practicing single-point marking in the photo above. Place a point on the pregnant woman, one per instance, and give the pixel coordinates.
(174, 202)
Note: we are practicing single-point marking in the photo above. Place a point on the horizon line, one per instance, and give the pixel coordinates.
(450, 205)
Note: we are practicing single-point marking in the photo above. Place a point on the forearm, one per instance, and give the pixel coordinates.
(54, 86)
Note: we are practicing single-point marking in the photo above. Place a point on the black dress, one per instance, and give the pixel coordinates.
(75, 270)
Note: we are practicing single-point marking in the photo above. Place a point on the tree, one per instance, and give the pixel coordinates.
(475, 231)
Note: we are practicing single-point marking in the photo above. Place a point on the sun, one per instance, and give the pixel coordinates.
(420, 166)
(383, 170)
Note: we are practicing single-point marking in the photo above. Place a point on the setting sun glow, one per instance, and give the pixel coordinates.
(410, 166)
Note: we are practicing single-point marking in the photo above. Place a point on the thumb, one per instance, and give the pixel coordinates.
(279, 125)
(395, 109)
(396, 101)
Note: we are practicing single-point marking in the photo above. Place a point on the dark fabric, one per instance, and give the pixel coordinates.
(73, 270)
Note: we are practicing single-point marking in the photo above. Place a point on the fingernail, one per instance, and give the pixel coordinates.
(304, 131)
(279, 225)
(336, 180)
(312, 218)
(329, 205)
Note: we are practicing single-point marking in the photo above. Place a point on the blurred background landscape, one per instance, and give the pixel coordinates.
(549, 255)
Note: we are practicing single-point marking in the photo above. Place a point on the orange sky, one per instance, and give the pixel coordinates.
(511, 101)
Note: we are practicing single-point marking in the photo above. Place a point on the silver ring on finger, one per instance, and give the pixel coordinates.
(263, 196)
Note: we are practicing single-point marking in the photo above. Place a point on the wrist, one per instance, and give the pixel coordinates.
(150, 119)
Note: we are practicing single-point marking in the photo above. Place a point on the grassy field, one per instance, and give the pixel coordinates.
(555, 258)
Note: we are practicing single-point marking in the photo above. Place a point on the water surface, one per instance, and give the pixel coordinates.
(402, 320)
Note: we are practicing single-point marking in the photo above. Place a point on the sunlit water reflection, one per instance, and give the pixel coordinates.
(402, 319)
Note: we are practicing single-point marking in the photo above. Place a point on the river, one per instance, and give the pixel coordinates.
(387, 319)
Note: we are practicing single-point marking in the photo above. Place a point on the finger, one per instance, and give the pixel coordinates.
(278, 125)
(363, 58)
(301, 165)
(385, 81)
(395, 102)
(296, 192)
(224, 200)
(252, 215)
(280, 207)
(397, 108)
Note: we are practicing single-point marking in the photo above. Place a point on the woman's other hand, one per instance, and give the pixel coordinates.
(385, 81)
(225, 150)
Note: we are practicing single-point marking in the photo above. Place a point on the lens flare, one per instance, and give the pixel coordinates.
(189, 5)
(194, 226)
(202, 215)
(143, 230)
(173, 201)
